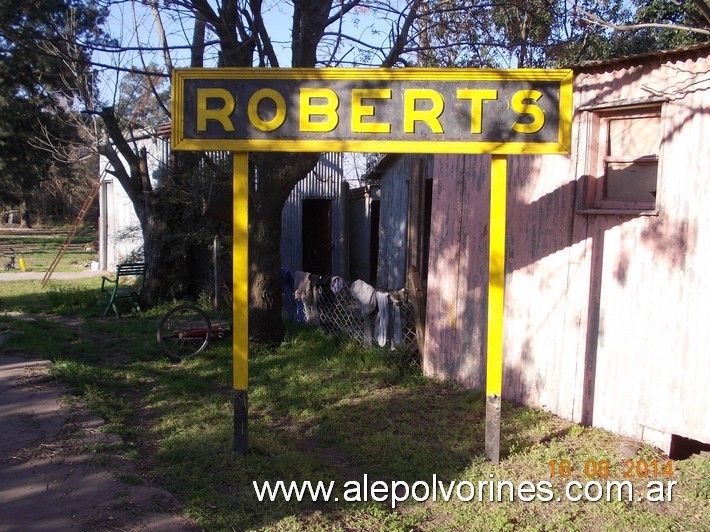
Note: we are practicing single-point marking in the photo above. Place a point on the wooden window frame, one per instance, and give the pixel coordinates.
(597, 158)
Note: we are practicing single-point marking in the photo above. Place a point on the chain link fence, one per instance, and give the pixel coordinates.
(339, 314)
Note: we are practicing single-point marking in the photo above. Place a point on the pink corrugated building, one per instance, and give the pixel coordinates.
(607, 292)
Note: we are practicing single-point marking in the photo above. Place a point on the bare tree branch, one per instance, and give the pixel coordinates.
(197, 50)
(344, 9)
(593, 19)
(162, 37)
(400, 40)
(260, 30)
(704, 7)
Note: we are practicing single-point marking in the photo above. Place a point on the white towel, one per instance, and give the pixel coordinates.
(364, 296)
(383, 318)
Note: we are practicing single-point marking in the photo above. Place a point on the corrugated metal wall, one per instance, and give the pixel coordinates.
(392, 252)
(605, 314)
(651, 297)
(359, 232)
(324, 182)
(394, 205)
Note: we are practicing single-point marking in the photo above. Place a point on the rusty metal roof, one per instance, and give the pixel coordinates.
(645, 55)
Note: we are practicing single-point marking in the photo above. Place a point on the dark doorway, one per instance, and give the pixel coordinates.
(317, 242)
(374, 240)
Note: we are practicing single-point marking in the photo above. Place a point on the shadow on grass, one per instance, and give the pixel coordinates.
(319, 411)
(81, 297)
(324, 411)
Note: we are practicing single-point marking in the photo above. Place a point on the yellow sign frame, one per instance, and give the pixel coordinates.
(499, 169)
(373, 143)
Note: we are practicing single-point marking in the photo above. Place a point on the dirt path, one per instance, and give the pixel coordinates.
(49, 477)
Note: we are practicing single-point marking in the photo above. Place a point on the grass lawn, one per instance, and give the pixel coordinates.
(326, 411)
(40, 248)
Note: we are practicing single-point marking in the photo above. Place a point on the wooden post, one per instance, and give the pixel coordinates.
(496, 307)
(415, 215)
(240, 300)
(415, 247)
(415, 289)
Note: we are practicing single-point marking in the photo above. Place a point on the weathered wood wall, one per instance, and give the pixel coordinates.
(605, 315)
(392, 250)
(394, 193)
(458, 269)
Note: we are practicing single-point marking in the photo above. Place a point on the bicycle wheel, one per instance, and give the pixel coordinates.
(183, 331)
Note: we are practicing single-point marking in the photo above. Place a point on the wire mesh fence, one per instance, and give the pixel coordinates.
(339, 314)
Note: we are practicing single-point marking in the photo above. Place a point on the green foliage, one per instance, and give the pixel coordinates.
(42, 68)
(542, 33)
(665, 12)
(547, 33)
(138, 106)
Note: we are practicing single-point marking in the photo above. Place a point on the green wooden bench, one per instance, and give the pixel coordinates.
(128, 284)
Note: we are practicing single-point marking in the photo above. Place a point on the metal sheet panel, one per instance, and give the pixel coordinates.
(324, 182)
(605, 313)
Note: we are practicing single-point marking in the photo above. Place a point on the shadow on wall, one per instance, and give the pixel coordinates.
(548, 225)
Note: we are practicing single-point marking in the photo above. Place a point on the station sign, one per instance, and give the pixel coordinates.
(408, 110)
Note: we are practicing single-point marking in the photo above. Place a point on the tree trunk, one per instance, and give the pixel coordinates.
(155, 240)
(267, 197)
(265, 321)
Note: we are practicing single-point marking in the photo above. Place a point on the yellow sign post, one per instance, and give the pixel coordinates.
(496, 306)
(409, 110)
(240, 299)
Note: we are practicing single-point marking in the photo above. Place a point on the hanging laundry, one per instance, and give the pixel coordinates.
(364, 296)
(398, 298)
(337, 284)
(304, 292)
(321, 294)
(319, 280)
(287, 278)
(300, 311)
(382, 320)
(397, 324)
(301, 284)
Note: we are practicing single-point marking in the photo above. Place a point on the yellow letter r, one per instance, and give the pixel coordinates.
(220, 115)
